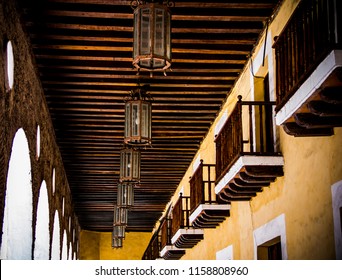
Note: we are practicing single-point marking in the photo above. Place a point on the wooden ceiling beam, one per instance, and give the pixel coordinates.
(69, 47)
(180, 4)
(75, 37)
(129, 16)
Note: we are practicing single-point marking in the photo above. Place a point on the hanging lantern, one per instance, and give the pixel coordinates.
(116, 242)
(125, 195)
(130, 165)
(138, 119)
(120, 216)
(152, 34)
(119, 231)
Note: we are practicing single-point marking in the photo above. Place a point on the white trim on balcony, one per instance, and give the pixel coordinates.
(168, 248)
(248, 160)
(203, 207)
(310, 86)
(184, 231)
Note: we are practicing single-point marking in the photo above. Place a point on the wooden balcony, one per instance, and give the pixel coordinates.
(153, 249)
(246, 157)
(168, 251)
(207, 210)
(309, 69)
(184, 235)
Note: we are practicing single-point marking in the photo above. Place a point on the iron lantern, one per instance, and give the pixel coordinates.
(125, 195)
(116, 241)
(138, 118)
(130, 165)
(152, 35)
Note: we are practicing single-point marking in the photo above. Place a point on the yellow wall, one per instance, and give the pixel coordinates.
(303, 194)
(98, 246)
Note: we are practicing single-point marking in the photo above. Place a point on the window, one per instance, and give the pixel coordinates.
(9, 69)
(38, 143)
(270, 240)
(53, 181)
(270, 250)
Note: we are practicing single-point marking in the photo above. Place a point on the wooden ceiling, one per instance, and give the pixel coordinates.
(83, 52)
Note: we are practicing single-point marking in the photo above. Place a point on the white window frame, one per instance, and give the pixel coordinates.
(270, 230)
(225, 254)
(336, 191)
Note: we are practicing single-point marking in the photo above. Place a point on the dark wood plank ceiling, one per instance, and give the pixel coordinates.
(83, 52)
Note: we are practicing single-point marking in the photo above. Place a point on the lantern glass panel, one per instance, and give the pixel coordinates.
(168, 36)
(136, 166)
(145, 43)
(145, 121)
(135, 119)
(127, 119)
(136, 32)
(159, 36)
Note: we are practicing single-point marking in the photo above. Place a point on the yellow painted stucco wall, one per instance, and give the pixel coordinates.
(98, 246)
(303, 195)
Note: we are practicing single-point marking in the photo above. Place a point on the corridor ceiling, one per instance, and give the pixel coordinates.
(83, 54)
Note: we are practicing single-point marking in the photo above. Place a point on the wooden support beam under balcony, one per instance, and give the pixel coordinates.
(261, 172)
(309, 70)
(244, 167)
(207, 211)
(184, 235)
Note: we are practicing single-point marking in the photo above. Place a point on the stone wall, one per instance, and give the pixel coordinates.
(24, 106)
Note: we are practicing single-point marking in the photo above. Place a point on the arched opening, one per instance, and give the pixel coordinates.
(9, 69)
(53, 181)
(41, 248)
(65, 246)
(17, 223)
(55, 249)
(38, 143)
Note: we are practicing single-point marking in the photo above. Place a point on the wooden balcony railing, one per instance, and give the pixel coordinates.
(153, 249)
(247, 131)
(180, 214)
(165, 232)
(314, 30)
(202, 186)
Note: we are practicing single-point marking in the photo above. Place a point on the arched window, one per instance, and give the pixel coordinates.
(38, 143)
(9, 69)
(55, 249)
(41, 248)
(17, 223)
(53, 181)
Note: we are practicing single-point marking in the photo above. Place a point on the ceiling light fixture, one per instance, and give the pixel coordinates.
(130, 165)
(152, 34)
(138, 118)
